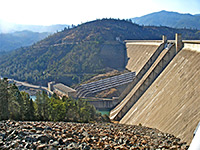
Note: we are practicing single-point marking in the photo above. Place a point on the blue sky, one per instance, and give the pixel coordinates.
(47, 12)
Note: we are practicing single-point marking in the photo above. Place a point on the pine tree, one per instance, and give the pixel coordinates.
(43, 106)
(39, 106)
(29, 110)
(16, 103)
(4, 113)
(32, 110)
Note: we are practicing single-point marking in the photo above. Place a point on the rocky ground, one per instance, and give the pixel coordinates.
(62, 135)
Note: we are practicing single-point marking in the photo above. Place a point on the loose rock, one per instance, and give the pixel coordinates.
(83, 136)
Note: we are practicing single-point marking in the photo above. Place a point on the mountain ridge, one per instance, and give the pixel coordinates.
(170, 19)
(6, 27)
(12, 41)
(76, 54)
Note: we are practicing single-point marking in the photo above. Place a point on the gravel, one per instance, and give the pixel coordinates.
(83, 136)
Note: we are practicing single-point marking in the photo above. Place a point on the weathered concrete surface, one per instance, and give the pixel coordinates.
(139, 53)
(172, 102)
(133, 95)
(145, 67)
(103, 104)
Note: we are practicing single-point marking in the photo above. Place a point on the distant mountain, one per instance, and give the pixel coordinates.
(6, 27)
(170, 19)
(38, 28)
(11, 41)
(77, 53)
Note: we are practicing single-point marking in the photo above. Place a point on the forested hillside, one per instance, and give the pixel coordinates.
(12, 41)
(19, 106)
(78, 53)
(170, 19)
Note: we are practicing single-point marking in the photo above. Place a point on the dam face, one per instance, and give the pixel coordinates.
(134, 90)
(139, 52)
(172, 102)
(142, 64)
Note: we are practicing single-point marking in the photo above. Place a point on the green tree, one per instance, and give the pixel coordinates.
(57, 109)
(4, 113)
(16, 103)
(32, 110)
(71, 110)
(43, 106)
(87, 112)
(29, 110)
(19, 106)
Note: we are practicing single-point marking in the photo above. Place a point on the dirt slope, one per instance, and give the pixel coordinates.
(172, 103)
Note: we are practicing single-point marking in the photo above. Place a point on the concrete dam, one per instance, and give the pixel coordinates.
(165, 94)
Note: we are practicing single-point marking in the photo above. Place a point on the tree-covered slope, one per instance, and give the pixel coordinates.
(170, 19)
(16, 105)
(79, 52)
(11, 41)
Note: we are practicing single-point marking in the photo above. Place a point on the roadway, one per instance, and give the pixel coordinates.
(20, 83)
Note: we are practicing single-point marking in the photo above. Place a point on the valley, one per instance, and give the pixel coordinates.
(76, 54)
(163, 92)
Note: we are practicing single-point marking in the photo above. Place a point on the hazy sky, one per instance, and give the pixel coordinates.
(47, 12)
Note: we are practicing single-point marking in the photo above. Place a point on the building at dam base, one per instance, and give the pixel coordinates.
(166, 95)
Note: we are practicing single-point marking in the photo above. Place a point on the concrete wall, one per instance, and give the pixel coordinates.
(103, 104)
(143, 70)
(172, 103)
(139, 52)
(179, 43)
(142, 87)
(50, 86)
(125, 96)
